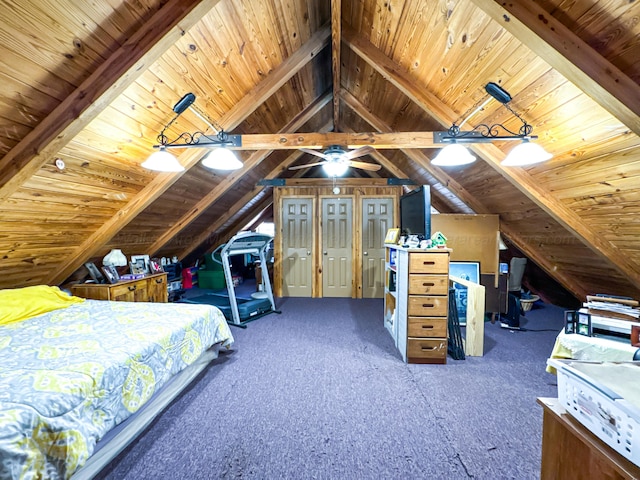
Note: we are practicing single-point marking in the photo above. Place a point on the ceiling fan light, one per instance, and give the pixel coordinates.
(526, 153)
(221, 159)
(162, 161)
(453, 155)
(335, 169)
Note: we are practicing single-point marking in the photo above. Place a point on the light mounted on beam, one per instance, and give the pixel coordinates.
(219, 158)
(455, 153)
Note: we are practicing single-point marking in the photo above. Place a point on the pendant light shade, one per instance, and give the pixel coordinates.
(221, 159)
(453, 155)
(526, 153)
(162, 161)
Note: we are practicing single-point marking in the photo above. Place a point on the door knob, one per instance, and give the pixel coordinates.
(325, 252)
(366, 253)
(308, 252)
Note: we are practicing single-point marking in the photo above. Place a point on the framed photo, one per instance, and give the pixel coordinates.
(111, 273)
(94, 273)
(139, 264)
(155, 265)
(393, 234)
(583, 324)
(570, 321)
(469, 271)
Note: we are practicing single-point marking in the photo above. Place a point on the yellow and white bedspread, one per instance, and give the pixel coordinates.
(70, 375)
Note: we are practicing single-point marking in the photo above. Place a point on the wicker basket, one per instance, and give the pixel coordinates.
(527, 303)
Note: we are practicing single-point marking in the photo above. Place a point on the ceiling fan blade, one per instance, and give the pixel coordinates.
(359, 152)
(372, 167)
(313, 152)
(298, 167)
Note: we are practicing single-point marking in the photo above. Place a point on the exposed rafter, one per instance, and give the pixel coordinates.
(493, 156)
(572, 57)
(95, 242)
(108, 81)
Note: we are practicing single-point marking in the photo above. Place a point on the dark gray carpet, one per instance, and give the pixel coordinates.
(320, 392)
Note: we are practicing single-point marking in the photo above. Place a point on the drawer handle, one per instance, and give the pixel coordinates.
(428, 305)
(132, 288)
(159, 280)
(428, 284)
(428, 263)
(428, 327)
(424, 349)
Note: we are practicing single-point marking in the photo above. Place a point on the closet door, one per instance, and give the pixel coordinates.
(377, 218)
(297, 246)
(337, 247)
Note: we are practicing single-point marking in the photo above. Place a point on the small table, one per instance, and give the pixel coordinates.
(580, 347)
(571, 451)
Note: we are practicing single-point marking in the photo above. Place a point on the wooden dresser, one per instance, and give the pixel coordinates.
(417, 303)
(152, 288)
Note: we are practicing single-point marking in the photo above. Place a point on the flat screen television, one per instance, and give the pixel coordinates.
(415, 212)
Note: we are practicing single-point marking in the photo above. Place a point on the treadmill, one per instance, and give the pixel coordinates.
(240, 311)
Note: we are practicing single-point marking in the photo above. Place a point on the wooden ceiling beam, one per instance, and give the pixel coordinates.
(94, 94)
(347, 140)
(163, 181)
(228, 183)
(575, 59)
(336, 28)
(440, 181)
(493, 156)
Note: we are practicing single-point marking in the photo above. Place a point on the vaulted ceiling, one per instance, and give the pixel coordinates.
(94, 83)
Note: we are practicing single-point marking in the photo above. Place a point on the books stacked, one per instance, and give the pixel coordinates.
(622, 308)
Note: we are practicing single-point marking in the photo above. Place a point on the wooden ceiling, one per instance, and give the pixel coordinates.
(93, 83)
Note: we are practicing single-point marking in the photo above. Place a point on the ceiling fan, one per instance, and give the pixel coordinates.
(337, 160)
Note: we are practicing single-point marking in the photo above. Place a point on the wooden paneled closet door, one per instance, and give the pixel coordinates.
(297, 246)
(377, 218)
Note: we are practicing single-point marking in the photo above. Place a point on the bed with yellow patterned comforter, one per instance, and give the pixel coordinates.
(70, 375)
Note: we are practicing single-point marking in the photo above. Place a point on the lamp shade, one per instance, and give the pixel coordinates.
(221, 159)
(526, 153)
(335, 168)
(162, 161)
(453, 155)
(115, 258)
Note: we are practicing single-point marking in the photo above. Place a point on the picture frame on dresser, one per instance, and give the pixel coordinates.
(111, 273)
(155, 265)
(139, 263)
(94, 272)
(393, 234)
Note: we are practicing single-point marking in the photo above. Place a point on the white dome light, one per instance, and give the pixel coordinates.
(162, 161)
(453, 155)
(526, 153)
(221, 159)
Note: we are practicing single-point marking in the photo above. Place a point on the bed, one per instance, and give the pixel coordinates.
(75, 371)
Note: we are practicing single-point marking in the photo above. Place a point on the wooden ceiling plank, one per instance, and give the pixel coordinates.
(287, 69)
(571, 56)
(109, 80)
(493, 156)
